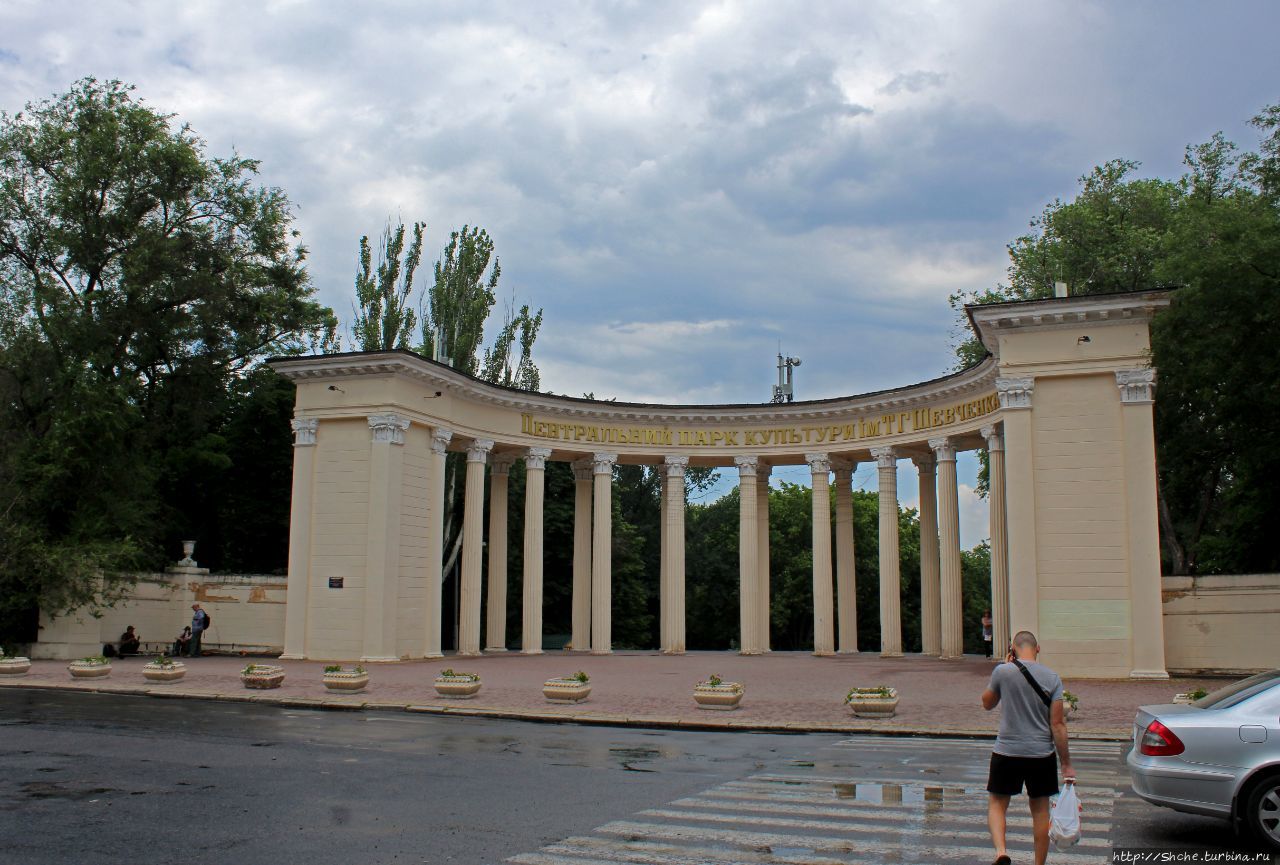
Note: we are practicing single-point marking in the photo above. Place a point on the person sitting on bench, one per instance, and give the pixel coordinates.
(130, 642)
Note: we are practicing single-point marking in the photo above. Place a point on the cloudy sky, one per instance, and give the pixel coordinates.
(682, 185)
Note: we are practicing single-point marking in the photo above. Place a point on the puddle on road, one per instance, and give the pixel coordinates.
(54, 790)
(627, 758)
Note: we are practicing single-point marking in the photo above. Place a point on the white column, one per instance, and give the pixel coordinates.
(495, 639)
(472, 544)
(673, 608)
(297, 600)
(440, 438)
(748, 548)
(846, 578)
(382, 553)
(949, 549)
(890, 572)
(664, 578)
(1000, 635)
(824, 638)
(1015, 396)
(930, 580)
(581, 640)
(762, 537)
(602, 556)
(535, 465)
(1146, 622)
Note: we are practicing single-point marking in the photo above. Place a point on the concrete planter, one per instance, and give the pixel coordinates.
(566, 690)
(13, 667)
(347, 681)
(457, 687)
(89, 669)
(726, 696)
(154, 672)
(263, 677)
(869, 703)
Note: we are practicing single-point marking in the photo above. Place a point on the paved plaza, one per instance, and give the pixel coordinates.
(784, 690)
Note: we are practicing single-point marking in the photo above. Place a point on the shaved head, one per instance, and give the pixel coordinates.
(1025, 640)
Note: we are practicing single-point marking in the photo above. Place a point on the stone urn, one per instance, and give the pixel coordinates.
(262, 676)
(90, 668)
(879, 702)
(163, 671)
(14, 666)
(457, 686)
(569, 689)
(716, 694)
(351, 681)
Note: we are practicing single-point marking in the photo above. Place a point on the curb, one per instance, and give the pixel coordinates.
(585, 718)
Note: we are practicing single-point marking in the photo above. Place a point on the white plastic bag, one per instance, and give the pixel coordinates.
(1064, 819)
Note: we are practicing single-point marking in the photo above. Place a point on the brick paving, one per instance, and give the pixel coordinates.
(784, 690)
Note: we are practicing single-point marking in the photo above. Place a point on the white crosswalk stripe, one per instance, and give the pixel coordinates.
(858, 802)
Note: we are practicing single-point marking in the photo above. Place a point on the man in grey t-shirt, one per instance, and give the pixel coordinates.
(1032, 726)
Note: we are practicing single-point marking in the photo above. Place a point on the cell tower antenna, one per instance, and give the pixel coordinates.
(784, 390)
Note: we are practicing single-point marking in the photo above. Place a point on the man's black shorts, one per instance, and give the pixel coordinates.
(1009, 774)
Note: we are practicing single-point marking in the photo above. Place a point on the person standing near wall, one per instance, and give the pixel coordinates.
(199, 622)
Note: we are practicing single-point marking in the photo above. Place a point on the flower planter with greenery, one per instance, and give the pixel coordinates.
(164, 669)
(262, 676)
(569, 689)
(716, 693)
(878, 702)
(13, 665)
(92, 667)
(457, 686)
(1190, 696)
(351, 681)
(1070, 704)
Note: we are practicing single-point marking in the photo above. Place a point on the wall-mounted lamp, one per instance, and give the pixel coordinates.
(335, 387)
(1083, 340)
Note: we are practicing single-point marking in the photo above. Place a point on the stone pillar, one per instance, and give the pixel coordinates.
(382, 552)
(1000, 633)
(432, 609)
(495, 639)
(930, 584)
(1020, 503)
(472, 543)
(673, 608)
(297, 596)
(846, 578)
(664, 578)
(535, 464)
(1146, 623)
(602, 556)
(824, 638)
(949, 550)
(762, 557)
(890, 573)
(581, 639)
(748, 549)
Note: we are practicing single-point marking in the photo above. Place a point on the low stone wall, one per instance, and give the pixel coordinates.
(247, 612)
(1226, 624)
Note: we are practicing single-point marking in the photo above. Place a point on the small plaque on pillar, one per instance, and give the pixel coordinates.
(336, 582)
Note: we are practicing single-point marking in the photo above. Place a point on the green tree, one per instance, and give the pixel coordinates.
(140, 280)
(384, 314)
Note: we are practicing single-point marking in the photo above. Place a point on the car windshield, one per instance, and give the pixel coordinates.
(1238, 692)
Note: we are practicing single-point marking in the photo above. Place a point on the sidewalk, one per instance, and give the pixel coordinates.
(785, 691)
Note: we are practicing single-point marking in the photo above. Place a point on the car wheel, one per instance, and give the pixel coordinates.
(1263, 810)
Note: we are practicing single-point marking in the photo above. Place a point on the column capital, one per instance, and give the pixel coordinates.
(746, 465)
(1136, 385)
(819, 464)
(676, 466)
(536, 458)
(843, 466)
(994, 437)
(440, 438)
(944, 448)
(581, 470)
(500, 464)
(1015, 392)
(926, 463)
(304, 431)
(885, 457)
(602, 464)
(388, 428)
(478, 450)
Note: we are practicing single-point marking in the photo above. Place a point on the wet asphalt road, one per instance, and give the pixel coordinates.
(104, 779)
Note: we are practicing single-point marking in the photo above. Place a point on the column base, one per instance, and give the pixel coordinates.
(951, 657)
(1148, 674)
(847, 652)
(601, 652)
(380, 659)
(469, 654)
(489, 649)
(885, 654)
(931, 654)
(750, 651)
(292, 656)
(432, 655)
(530, 651)
(673, 651)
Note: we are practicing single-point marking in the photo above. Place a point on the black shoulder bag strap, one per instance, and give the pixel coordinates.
(1048, 702)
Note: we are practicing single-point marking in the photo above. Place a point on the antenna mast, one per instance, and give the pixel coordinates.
(783, 391)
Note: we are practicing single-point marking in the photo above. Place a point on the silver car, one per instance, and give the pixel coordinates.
(1219, 755)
